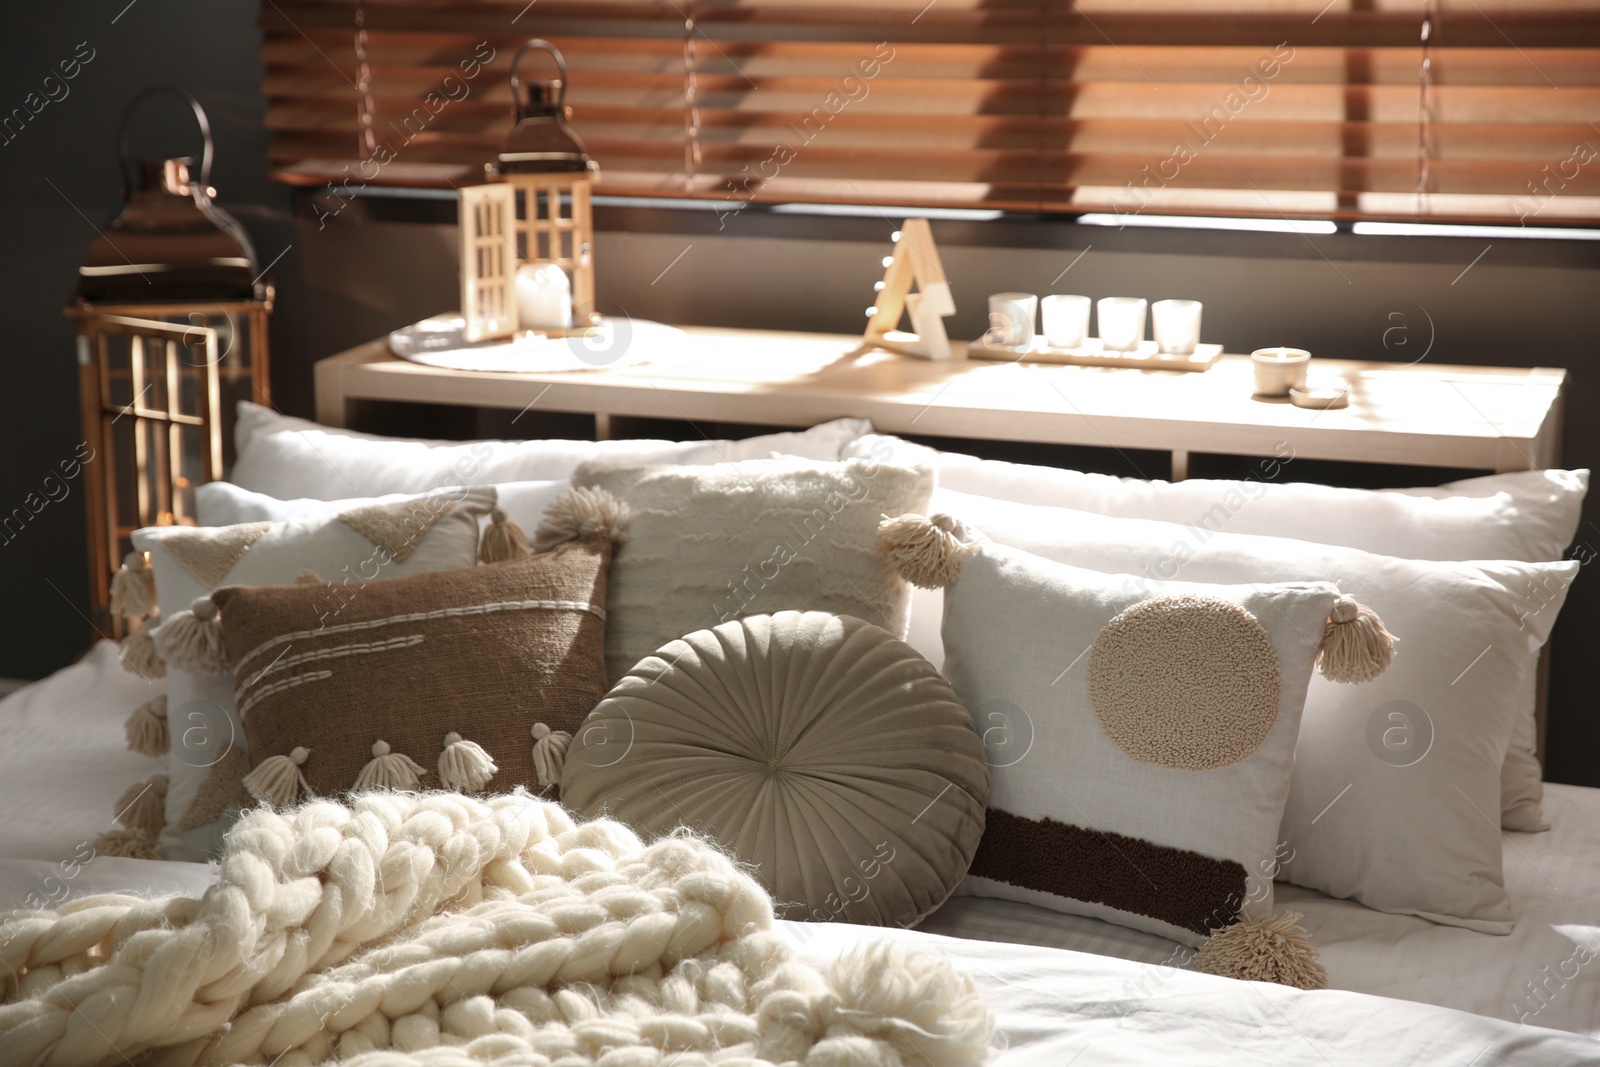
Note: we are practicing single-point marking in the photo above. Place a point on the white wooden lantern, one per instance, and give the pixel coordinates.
(535, 210)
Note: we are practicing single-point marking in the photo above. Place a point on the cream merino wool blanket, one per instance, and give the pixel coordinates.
(436, 929)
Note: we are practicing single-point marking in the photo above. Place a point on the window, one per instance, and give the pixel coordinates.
(1477, 110)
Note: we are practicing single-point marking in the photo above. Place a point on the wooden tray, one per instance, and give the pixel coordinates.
(1093, 355)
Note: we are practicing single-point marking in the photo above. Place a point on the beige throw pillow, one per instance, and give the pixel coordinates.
(711, 544)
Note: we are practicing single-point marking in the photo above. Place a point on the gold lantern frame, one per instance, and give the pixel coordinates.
(159, 340)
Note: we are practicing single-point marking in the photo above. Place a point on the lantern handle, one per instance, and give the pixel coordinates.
(199, 117)
(561, 69)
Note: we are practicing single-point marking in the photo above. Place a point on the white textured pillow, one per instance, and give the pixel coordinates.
(1527, 515)
(1141, 738)
(288, 458)
(1368, 817)
(714, 543)
(433, 533)
(226, 504)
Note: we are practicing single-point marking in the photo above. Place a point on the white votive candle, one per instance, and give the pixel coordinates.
(1279, 369)
(544, 297)
(1121, 322)
(1066, 320)
(1176, 325)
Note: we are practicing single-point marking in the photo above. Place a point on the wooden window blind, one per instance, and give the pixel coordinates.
(1475, 110)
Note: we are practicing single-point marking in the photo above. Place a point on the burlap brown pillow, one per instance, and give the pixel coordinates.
(342, 687)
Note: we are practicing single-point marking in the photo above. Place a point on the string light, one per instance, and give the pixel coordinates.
(871, 311)
(895, 237)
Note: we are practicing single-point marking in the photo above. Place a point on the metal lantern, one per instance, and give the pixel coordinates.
(171, 319)
(531, 219)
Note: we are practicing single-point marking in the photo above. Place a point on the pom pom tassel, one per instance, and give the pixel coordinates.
(133, 588)
(137, 654)
(1355, 646)
(503, 540)
(143, 807)
(549, 754)
(464, 765)
(192, 639)
(146, 728)
(389, 770)
(126, 843)
(926, 551)
(277, 780)
(1265, 949)
(582, 512)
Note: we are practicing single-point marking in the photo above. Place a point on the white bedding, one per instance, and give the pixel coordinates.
(64, 765)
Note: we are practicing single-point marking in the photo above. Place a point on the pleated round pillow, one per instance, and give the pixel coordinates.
(818, 748)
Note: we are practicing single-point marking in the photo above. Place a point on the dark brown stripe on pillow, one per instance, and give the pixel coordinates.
(1176, 886)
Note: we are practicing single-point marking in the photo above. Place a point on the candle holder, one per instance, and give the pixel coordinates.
(1278, 370)
(1066, 320)
(1122, 322)
(1176, 325)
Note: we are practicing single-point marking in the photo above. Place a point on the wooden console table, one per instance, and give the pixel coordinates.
(1429, 415)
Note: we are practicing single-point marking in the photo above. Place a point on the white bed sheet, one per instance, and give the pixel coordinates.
(64, 761)
(65, 764)
(1546, 972)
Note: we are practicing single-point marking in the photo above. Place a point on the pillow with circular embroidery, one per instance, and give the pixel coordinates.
(1141, 734)
(818, 748)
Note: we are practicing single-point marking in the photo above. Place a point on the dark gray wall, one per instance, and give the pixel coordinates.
(356, 278)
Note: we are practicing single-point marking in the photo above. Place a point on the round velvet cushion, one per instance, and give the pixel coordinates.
(818, 748)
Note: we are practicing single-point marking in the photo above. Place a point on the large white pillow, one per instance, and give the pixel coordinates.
(1527, 515)
(438, 532)
(1367, 816)
(289, 458)
(226, 504)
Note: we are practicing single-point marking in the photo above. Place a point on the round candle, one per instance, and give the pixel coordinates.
(544, 297)
(1279, 370)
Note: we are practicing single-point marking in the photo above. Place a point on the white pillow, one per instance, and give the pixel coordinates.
(1527, 515)
(226, 504)
(189, 562)
(288, 458)
(1367, 817)
(713, 543)
(1140, 739)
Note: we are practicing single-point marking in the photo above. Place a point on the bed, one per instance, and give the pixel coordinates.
(1403, 990)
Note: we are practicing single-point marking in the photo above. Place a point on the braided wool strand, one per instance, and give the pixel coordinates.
(436, 929)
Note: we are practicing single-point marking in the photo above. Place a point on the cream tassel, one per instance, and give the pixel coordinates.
(549, 754)
(192, 639)
(926, 551)
(143, 807)
(277, 780)
(389, 770)
(1267, 949)
(137, 653)
(146, 728)
(126, 843)
(1355, 646)
(582, 512)
(503, 540)
(464, 765)
(133, 588)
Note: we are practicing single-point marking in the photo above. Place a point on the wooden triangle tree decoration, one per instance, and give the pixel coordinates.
(915, 261)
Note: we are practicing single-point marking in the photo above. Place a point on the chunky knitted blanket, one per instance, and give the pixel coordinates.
(436, 929)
